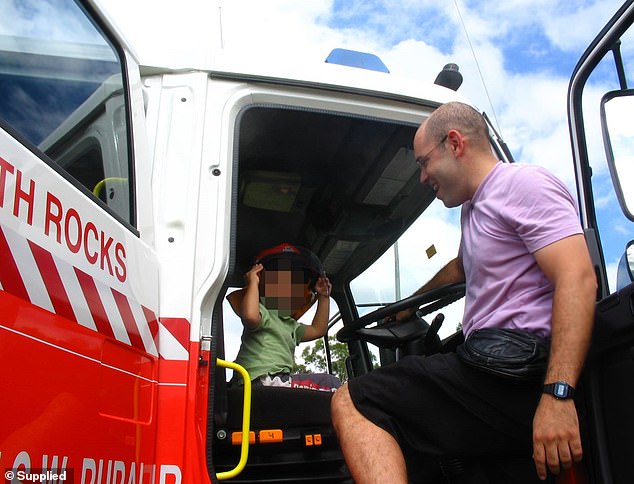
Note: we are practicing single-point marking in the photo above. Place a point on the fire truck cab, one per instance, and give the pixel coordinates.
(134, 197)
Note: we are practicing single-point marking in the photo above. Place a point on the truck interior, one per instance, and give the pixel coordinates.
(345, 187)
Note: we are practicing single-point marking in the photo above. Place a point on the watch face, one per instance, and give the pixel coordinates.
(561, 390)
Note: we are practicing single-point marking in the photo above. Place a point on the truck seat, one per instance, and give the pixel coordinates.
(292, 437)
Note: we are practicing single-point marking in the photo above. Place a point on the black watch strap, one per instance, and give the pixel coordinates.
(560, 390)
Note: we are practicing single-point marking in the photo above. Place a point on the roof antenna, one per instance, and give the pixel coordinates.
(477, 64)
(222, 42)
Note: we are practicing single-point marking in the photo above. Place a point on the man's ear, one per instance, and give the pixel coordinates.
(455, 142)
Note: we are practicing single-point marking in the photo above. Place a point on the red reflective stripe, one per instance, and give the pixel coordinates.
(52, 282)
(9, 275)
(152, 322)
(179, 328)
(128, 319)
(95, 305)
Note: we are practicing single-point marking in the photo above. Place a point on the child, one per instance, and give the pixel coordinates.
(282, 284)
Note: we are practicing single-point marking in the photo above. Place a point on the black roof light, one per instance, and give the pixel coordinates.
(449, 77)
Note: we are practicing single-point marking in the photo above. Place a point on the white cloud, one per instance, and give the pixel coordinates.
(573, 28)
(250, 25)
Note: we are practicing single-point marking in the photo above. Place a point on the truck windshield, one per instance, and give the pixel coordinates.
(430, 242)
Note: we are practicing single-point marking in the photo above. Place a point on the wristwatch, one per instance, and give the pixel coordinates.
(560, 390)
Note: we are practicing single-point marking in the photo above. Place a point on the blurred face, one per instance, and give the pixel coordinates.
(284, 290)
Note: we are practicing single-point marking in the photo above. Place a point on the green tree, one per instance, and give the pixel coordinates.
(314, 358)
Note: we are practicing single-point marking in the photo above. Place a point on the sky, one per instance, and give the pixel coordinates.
(516, 58)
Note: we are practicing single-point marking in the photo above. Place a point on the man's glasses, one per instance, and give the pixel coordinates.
(422, 161)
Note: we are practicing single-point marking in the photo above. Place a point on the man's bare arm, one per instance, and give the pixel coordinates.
(451, 273)
(567, 264)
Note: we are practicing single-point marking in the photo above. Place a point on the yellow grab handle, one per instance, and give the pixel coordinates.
(246, 420)
(96, 191)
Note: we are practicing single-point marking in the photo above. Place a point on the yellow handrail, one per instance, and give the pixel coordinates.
(96, 191)
(246, 420)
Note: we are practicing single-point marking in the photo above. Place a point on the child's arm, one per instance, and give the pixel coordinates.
(319, 326)
(250, 308)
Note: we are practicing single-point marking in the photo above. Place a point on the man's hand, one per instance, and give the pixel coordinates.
(556, 438)
(405, 314)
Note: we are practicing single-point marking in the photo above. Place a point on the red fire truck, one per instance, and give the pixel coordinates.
(133, 198)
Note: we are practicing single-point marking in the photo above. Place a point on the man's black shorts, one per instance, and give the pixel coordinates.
(437, 406)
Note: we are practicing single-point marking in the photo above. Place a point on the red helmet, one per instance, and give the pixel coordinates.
(299, 258)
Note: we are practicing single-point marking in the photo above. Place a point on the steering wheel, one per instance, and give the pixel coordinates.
(395, 333)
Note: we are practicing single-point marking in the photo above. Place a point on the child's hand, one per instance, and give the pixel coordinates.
(253, 276)
(323, 286)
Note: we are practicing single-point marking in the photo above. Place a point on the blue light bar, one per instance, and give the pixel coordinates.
(353, 58)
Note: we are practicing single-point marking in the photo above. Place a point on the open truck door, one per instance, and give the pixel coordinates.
(79, 280)
(600, 109)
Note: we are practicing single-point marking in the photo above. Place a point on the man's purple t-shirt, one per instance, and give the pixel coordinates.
(517, 210)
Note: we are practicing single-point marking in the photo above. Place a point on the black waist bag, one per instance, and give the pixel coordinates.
(514, 354)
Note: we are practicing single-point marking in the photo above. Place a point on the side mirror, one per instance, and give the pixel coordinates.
(617, 108)
(625, 271)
